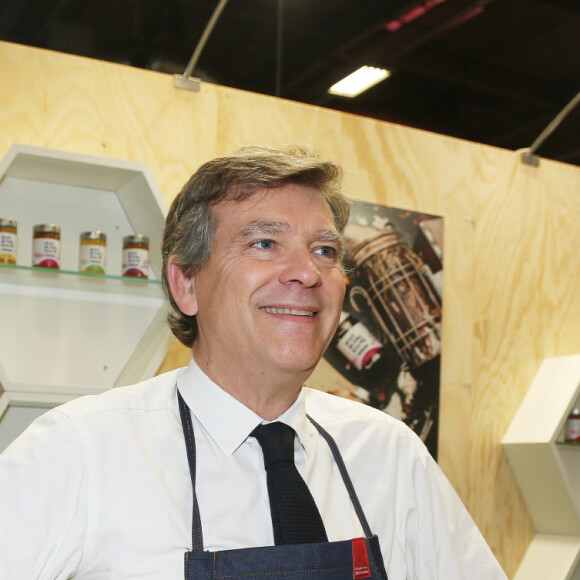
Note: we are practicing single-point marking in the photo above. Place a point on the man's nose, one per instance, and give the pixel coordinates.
(300, 267)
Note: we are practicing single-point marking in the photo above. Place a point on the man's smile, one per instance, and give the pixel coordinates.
(292, 311)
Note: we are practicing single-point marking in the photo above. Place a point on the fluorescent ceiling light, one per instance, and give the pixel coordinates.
(359, 81)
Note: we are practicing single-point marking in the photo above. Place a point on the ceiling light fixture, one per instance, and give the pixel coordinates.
(359, 81)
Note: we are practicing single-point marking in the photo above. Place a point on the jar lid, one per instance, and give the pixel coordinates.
(8, 222)
(46, 228)
(96, 235)
(136, 239)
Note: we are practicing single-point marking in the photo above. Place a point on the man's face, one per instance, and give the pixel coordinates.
(269, 299)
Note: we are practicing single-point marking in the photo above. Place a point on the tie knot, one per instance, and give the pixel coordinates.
(277, 442)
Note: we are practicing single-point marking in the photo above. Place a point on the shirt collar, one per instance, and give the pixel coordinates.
(229, 422)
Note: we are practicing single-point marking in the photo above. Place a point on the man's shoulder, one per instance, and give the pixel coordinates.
(152, 394)
(355, 426)
(327, 410)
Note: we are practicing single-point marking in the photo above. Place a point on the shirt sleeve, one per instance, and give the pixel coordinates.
(447, 545)
(43, 501)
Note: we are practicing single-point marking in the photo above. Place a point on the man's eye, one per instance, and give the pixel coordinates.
(264, 244)
(327, 251)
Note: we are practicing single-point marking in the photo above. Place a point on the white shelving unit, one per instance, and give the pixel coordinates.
(547, 470)
(65, 334)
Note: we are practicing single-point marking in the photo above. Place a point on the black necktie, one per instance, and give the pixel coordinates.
(295, 517)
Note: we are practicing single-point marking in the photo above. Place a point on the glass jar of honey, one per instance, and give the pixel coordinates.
(135, 256)
(8, 236)
(46, 246)
(92, 252)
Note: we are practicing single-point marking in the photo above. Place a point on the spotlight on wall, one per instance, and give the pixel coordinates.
(359, 81)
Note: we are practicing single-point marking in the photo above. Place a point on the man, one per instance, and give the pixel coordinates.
(105, 487)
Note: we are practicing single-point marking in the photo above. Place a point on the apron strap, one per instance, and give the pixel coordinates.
(185, 414)
(345, 477)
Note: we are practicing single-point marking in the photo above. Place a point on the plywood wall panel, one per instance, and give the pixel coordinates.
(63, 102)
(512, 268)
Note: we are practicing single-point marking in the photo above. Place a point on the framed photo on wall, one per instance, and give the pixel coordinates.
(387, 347)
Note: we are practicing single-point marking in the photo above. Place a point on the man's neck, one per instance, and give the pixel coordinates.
(269, 395)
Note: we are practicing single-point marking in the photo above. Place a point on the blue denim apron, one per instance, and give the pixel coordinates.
(345, 560)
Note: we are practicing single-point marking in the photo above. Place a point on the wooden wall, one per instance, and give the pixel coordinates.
(512, 268)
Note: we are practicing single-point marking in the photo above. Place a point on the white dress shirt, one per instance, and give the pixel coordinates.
(99, 488)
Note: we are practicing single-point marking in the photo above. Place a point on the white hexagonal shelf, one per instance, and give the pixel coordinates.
(66, 334)
(547, 470)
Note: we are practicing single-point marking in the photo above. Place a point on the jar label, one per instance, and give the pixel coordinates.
(573, 430)
(135, 262)
(358, 345)
(92, 258)
(7, 248)
(46, 252)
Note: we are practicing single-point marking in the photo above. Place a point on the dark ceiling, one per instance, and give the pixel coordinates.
(491, 71)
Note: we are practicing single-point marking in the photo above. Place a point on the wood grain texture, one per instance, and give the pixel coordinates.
(512, 268)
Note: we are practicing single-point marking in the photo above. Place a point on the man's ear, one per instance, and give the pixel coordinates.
(182, 288)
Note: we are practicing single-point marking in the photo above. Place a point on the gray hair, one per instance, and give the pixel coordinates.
(190, 223)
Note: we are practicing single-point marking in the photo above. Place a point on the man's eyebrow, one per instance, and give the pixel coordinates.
(329, 236)
(264, 227)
